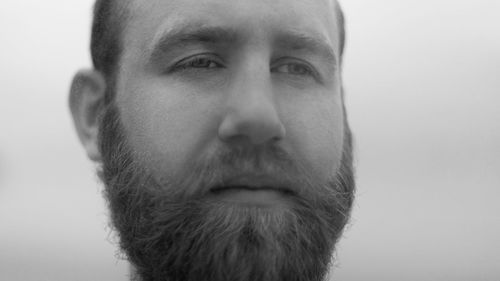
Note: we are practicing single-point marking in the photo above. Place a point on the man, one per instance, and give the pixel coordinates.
(221, 134)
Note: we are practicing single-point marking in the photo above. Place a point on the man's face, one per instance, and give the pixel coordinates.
(234, 73)
(224, 152)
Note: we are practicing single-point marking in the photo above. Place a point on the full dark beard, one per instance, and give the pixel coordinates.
(172, 231)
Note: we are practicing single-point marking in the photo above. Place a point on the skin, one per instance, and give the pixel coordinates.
(177, 108)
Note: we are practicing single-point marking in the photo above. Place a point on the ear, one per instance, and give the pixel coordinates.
(86, 100)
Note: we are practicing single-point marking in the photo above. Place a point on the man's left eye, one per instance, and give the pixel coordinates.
(294, 69)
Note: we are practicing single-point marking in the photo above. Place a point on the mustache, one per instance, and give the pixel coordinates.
(224, 163)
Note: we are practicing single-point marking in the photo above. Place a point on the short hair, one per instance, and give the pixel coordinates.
(106, 42)
(108, 25)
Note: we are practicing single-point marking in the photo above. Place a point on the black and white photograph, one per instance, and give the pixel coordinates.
(250, 140)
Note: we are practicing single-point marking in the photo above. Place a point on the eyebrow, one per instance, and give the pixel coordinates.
(313, 43)
(183, 35)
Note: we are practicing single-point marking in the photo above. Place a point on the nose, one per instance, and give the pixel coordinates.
(251, 112)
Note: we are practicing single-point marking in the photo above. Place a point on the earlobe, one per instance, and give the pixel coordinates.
(86, 101)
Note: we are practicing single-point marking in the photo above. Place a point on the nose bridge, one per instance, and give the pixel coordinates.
(252, 112)
(252, 89)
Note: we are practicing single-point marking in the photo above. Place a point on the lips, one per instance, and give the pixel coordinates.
(221, 189)
(256, 182)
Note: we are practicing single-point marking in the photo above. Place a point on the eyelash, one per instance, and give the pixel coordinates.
(303, 69)
(209, 61)
(190, 62)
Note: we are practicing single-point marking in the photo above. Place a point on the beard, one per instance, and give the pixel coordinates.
(171, 230)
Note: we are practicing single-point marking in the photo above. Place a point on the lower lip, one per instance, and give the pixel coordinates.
(262, 197)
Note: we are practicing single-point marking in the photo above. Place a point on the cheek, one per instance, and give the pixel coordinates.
(166, 126)
(317, 134)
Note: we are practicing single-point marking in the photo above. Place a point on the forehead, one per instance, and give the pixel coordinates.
(150, 18)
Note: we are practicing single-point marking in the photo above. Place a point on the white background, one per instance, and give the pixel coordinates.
(423, 94)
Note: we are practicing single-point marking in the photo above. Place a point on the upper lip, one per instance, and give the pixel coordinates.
(253, 182)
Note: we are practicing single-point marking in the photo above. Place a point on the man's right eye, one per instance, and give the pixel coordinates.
(203, 61)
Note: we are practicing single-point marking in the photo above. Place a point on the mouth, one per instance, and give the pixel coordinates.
(229, 188)
(253, 195)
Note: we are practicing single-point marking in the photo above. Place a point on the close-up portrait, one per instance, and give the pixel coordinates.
(250, 140)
